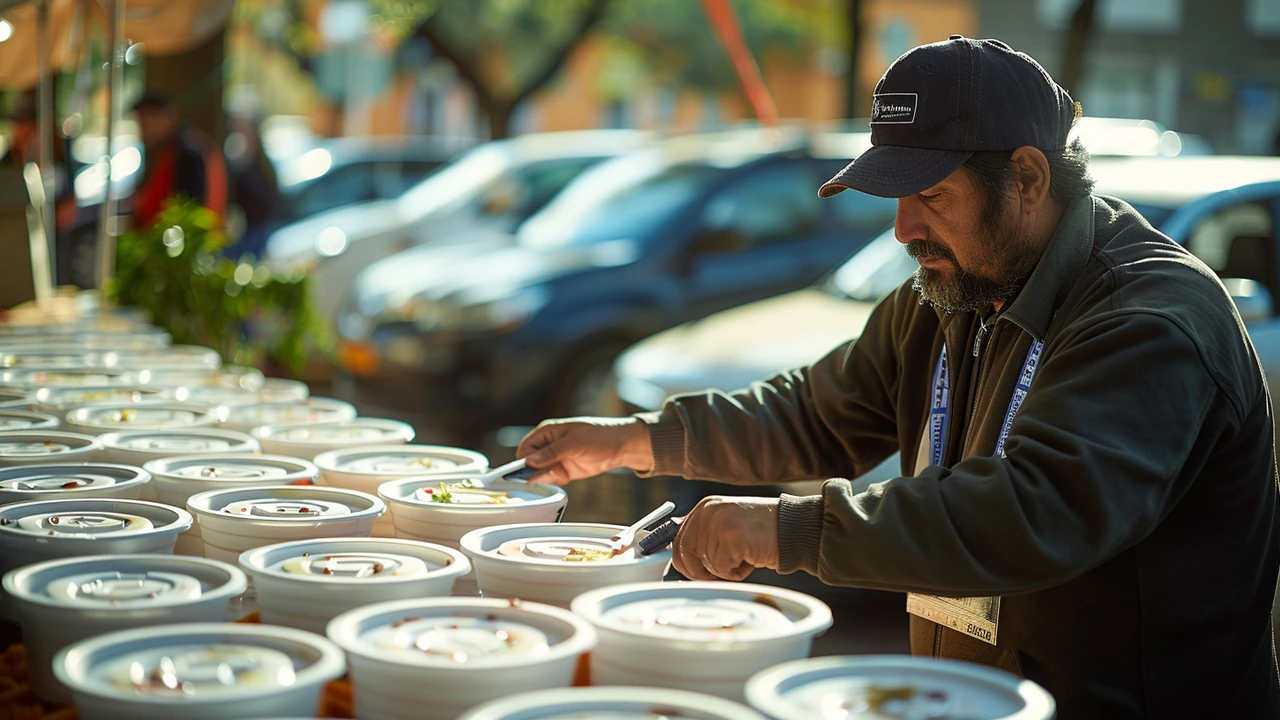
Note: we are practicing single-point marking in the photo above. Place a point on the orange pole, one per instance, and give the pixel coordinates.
(725, 24)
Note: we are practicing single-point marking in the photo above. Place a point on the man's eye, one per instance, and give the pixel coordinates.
(930, 198)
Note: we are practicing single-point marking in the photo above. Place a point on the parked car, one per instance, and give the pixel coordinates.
(493, 187)
(636, 245)
(1224, 209)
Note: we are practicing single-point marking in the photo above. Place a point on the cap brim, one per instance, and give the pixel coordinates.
(893, 171)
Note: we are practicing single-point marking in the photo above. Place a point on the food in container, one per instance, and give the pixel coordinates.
(17, 399)
(419, 515)
(152, 415)
(307, 583)
(553, 563)
(888, 687)
(174, 357)
(61, 400)
(311, 440)
(315, 411)
(366, 468)
(612, 703)
(33, 532)
(42, 447)
(235, 520)
(58, 481)
(198, 671)
(60, 602)
(34, 379)
(28, 420)
(473, 650)
(705, 637)
(175, 479)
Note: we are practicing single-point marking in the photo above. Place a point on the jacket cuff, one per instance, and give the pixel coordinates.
(799, 533)
(666, 440)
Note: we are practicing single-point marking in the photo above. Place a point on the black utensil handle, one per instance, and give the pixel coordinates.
(659, 538)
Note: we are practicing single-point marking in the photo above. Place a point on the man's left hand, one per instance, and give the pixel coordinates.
(726, 538)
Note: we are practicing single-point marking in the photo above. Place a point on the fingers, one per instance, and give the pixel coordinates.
(554, 475)
(686, 551)
(538, 438)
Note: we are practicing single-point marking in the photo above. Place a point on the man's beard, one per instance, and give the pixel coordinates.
(1011, 257)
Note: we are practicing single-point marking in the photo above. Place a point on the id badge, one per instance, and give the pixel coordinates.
(976, 617)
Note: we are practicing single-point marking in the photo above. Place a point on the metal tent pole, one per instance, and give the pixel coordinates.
(108, 224)
(44, 116)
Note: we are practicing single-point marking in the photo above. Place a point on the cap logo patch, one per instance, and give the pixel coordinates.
(893, 108)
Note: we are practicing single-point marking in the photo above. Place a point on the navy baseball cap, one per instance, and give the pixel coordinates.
(940, 103)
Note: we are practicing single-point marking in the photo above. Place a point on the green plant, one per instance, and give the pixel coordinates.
(173, 270)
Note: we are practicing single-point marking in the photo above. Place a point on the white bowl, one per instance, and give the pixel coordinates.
(139, 447)
(17, 399)
(528, 561)
(61, 400)
(366, 468)
(306, 584)
(701, 636)
(419, 519)
(51, 358)
(29, 533)
(150, 415)
(273, 670)
(311, 440)
(35, 379)
(71, 481)
(471, 650)
(60, 602)
(89, 340)
(233, 521)
(612, 703)
(26, 420)
(895, 686)
(175, 479)
(41, 447)
(229, 377)
(291, 413)
(174, 357)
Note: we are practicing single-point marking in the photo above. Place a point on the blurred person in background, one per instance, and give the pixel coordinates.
(1089, 490)
(255, 193)
(180, 162)
(24, 147)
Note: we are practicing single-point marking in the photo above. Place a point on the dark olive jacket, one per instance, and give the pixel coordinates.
(1130, 530)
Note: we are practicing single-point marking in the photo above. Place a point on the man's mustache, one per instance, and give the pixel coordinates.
(916, 248)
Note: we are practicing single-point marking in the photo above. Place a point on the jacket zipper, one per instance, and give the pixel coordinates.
(984, 331)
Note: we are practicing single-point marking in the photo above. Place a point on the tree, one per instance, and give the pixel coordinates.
(852, 92)
(1082, 22)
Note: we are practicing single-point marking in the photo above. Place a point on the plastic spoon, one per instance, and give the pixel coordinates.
(498, 473)
(623, 540)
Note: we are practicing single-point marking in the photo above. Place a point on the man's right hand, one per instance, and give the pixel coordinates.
(577, 448)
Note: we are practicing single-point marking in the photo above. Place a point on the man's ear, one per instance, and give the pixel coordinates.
(1031, 177)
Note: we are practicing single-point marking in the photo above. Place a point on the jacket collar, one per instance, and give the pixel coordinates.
(1064, 259)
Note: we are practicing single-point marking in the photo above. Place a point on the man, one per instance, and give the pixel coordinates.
(1089, 493)
(180, 162)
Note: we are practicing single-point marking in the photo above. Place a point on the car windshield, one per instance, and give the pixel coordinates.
(625, 199)
(460, 179)
(874, 271)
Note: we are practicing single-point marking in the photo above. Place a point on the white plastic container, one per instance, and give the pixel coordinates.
(34, 379)
(218, 671)
(151, 415)
(291, 413)
(892, 686)
(51, 358)
(174, 357)
(26, 420)
(61, 400)
(366, 468)
(233, 521)
(139, 447)
(33, 532)
(17, 399)
(707, 637)
(537, 561)
(416, 517)
(228, 377)
(61, 602)
(306, 584)
(469, 650)
(613, 703)
(175, 479)
(42, 447)
(311, 440)
(66, 481)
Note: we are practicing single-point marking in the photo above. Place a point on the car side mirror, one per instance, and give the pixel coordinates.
(1253, 300)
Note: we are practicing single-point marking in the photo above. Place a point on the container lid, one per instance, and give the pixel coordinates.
(16, 398)
(413, 492)
(31, 482)
(11, 420)
(355, 561)
(63, 399)
(582, 546)
(90, 519)
(37, 445)
(313, 411)
(180, 442)
(704, 612)
(158, 415)
(359, 430)
(232, 467)
(228, 377)
(402, 460)
(887, 686)
(449, 632)
(612, 703)
(175, 357)
(51, 359)
(125, 582)
(197, 663)
(38, 378)
(287, 504)
(89, 340)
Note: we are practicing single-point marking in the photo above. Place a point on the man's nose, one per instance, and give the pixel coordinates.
(908, 224)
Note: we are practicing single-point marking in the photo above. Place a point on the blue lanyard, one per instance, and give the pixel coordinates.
(940, 412)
